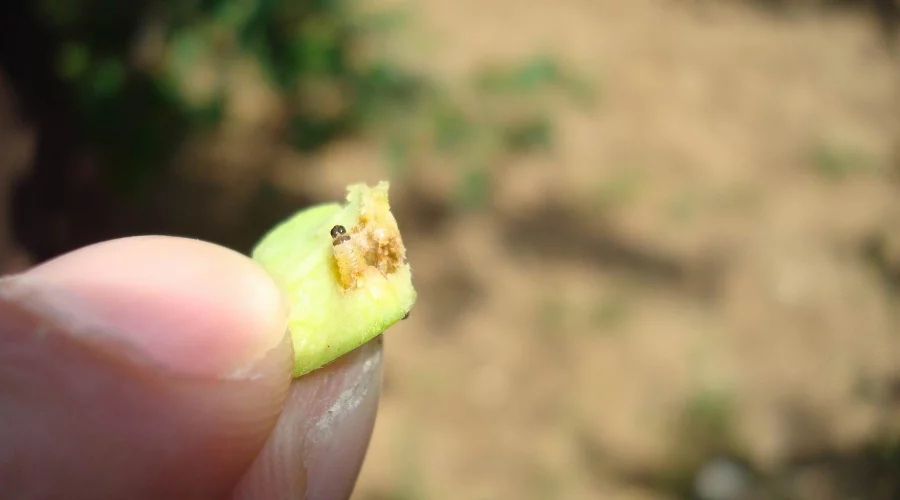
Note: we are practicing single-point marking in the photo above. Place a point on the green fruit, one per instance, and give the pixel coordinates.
(345, 272)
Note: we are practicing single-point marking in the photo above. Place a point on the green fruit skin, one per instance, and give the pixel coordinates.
(325, 321)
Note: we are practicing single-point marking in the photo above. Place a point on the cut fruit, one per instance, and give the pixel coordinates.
(345, 271)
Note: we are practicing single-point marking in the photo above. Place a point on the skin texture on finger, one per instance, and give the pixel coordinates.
(318, 446)
(146, 367)
(79, 422)
(194, 306)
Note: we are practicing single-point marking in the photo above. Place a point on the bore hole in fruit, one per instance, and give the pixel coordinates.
(373, 243)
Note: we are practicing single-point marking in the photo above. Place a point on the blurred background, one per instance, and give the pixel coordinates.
(656, 242)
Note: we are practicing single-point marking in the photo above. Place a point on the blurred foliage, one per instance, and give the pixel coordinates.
(836, 161)
(133, 68)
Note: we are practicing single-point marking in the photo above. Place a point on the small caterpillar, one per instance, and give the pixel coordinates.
(348, 255)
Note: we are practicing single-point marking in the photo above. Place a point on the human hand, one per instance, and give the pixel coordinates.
(159, 367)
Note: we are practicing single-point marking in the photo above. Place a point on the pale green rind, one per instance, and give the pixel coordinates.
(326, 322)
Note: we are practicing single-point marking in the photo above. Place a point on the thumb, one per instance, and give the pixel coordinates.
(147, 367)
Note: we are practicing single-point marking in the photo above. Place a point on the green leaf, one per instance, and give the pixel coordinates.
(74, 60)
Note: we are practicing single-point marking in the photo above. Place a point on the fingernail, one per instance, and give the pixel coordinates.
(336, 444)
(317, 448)
(193, 307)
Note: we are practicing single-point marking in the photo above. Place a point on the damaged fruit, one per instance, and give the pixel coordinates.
(345, 272)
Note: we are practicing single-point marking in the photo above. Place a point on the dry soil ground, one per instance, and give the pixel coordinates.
(689, 274)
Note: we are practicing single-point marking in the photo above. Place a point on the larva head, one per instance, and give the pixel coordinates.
(339, 235)
(337, 231)
(330, 316)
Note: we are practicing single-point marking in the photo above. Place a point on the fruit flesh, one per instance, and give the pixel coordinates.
(341, 295)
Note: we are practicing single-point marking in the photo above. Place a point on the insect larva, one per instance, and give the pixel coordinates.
(351, 262)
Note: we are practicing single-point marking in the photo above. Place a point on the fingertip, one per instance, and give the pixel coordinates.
(82, 422)
(195, 307)
(148, 367)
